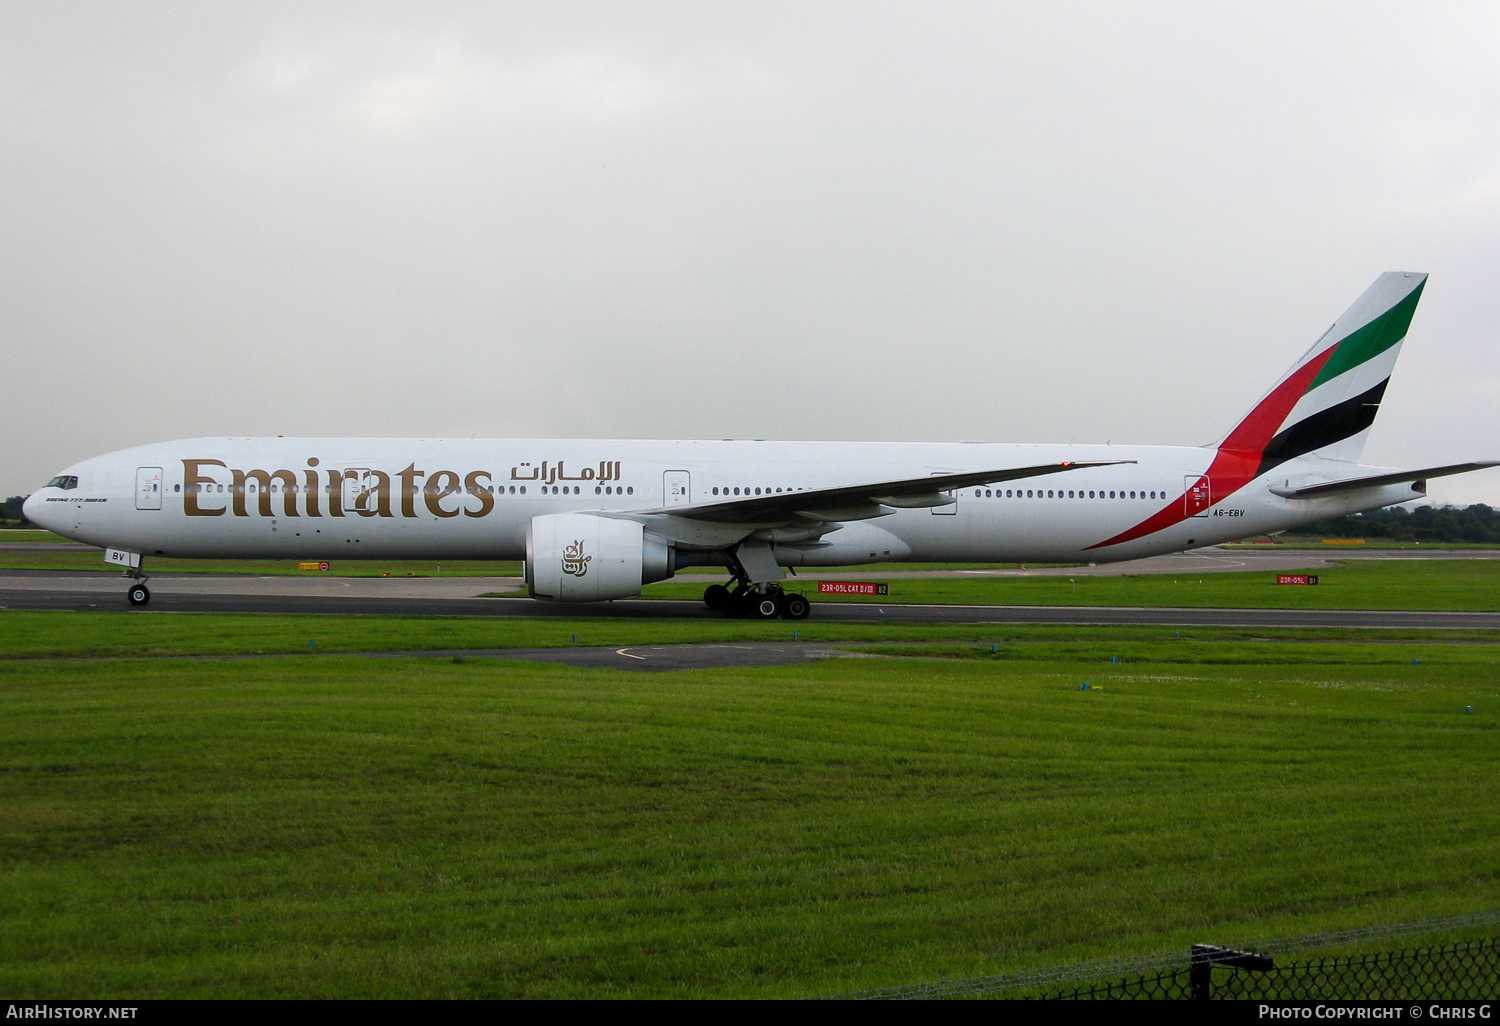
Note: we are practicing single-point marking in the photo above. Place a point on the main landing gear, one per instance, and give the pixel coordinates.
(745, 601)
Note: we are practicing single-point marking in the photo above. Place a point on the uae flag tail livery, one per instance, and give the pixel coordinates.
(1326, 403)
(597, 519)
(1316, 418)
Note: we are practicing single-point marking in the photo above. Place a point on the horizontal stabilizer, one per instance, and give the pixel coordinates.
(1357, 483)
(921, 491)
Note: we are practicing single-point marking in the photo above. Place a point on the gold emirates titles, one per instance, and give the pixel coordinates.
(375, 496)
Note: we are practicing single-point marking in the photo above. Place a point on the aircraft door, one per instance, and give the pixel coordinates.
(1198, 496)
(676, 488)
(148, 488)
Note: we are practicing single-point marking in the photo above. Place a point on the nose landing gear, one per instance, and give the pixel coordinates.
(138, 594)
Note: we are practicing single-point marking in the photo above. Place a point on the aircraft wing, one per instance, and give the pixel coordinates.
(858, 502)
(1400, 477)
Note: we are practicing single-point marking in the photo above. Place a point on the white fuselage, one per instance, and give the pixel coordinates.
(373, 498)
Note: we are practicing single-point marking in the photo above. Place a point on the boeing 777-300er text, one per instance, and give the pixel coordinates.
(599, 519)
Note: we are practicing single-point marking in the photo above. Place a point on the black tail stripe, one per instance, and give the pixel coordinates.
(1334, 424)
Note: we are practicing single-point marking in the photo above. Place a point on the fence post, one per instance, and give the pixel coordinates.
(1201, 971)
(1201, 966)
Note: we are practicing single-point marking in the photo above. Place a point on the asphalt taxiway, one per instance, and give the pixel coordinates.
(459, 596)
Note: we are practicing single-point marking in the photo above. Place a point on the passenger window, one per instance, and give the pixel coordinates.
(630, 491)
(1028, 493)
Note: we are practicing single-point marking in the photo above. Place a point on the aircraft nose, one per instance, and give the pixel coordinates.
(32, 509)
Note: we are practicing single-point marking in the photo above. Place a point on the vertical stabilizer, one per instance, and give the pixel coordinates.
(1326, 403)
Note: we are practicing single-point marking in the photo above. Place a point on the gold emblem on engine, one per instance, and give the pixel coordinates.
(574, 561)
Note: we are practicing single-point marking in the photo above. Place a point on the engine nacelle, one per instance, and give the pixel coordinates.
(580, 557)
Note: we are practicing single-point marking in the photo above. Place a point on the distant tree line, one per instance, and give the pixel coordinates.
(1477, 523)
(10, 510)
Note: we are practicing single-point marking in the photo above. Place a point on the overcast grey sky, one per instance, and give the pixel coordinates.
(1013, 222)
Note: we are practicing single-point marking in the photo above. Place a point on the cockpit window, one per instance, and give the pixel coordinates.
(63, 481)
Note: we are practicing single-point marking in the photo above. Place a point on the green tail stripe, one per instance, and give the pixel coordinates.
(1371, 340)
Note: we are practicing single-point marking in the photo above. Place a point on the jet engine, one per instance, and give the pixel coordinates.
(581, 557)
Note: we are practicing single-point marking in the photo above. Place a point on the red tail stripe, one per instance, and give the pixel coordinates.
(1255, 432)
(1238, 458)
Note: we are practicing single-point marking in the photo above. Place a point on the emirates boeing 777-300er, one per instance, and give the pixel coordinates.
(598, 519)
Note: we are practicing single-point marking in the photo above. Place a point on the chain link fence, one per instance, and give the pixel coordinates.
(1466, 969)
(1446, 972)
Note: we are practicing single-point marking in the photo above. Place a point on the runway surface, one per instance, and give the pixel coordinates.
(456, 596)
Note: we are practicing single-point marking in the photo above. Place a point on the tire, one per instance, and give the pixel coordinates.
(766, 607)
(138, 595)
(716, 596)
(796, 607)
(736, 605)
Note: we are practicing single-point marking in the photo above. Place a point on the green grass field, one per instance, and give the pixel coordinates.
(24, 535)
(321, 825)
